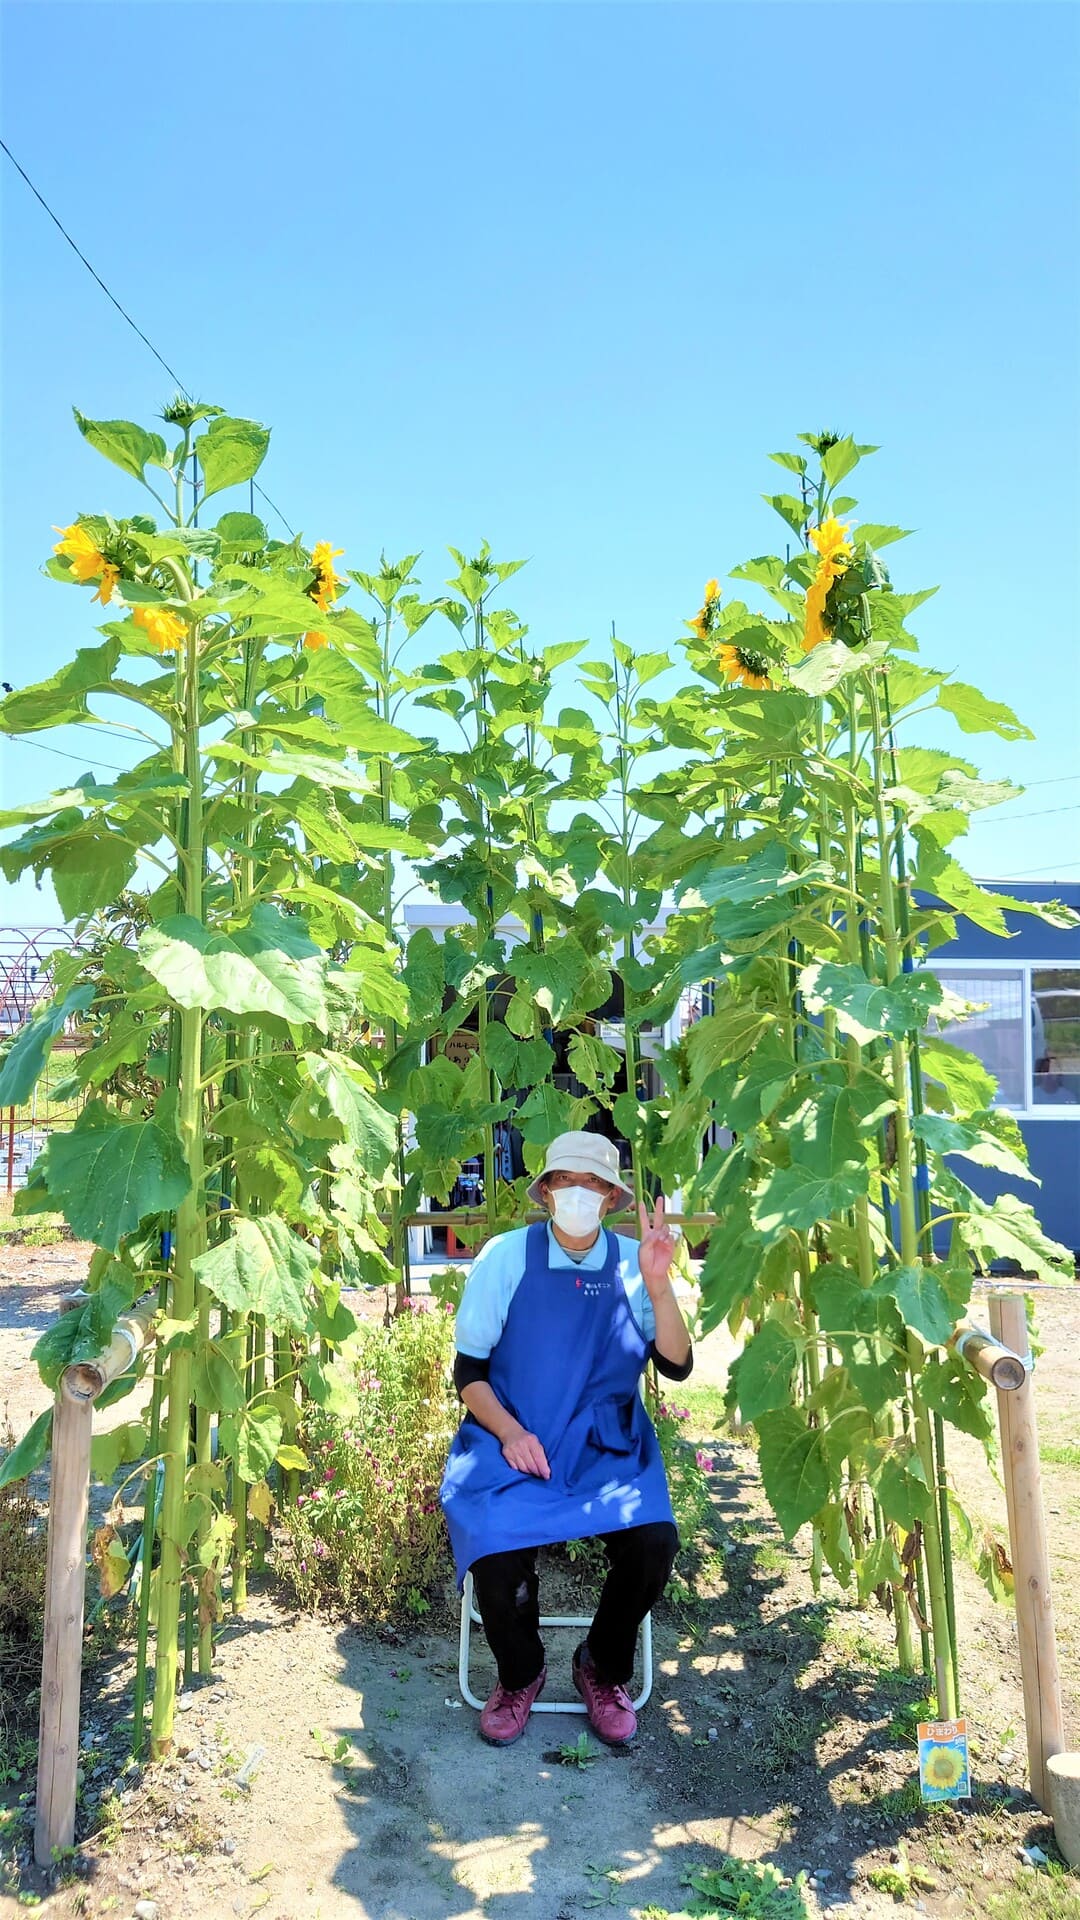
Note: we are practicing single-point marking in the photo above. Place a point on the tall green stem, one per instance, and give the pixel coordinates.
(190, 1229)
(909, 1239)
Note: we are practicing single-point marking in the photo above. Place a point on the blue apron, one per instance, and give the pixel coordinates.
(567, 1365)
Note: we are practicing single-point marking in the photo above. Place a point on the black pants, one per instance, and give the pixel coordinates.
(508, 1600)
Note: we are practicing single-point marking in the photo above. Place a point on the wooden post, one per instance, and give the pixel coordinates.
(65, 1592)
(65, 1577)
(11, 1151)
(1031, 1567)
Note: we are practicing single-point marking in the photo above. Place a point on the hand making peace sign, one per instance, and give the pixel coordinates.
(656, 1249)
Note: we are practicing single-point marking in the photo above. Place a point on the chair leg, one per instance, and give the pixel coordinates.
(469, 1614)
(464, 1643)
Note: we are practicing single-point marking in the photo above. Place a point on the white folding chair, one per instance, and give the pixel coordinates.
(470, 1617)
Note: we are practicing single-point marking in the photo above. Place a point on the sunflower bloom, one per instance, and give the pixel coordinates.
(87, 561)
(830, 540)
(944, 1767)
(313, 641)
(326, 586)
(741, 667)
(704, 622)
(107, 584)
(166, 629)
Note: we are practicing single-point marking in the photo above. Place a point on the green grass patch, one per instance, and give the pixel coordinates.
(1057, 1455)
(1038, 1896)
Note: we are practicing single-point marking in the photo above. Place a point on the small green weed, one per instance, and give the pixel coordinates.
(604, 1885)
(754, 1889)
(576, 1753)
(1060, 1456)
(901, 1879)
(903, 1727)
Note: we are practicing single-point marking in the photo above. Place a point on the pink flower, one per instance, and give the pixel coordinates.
(329, 1474)
(705, 1461)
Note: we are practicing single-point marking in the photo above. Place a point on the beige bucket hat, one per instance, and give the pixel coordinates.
(583, 1153)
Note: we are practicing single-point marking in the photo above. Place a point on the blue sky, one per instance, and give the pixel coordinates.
(562, 276)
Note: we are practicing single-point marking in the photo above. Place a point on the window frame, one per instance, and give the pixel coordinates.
(955, 964)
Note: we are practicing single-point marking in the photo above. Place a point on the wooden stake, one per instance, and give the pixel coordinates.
(65, 1575)
(1031, 1567)
(65, 1590)
(988, 1357)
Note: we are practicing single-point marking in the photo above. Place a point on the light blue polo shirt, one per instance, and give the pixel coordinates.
(496, 1274)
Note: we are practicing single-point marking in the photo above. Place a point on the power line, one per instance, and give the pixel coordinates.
(1006, 819)
(1052, 868)
(90, 270)
(1055, 780)
(81, 759)
(122, 311)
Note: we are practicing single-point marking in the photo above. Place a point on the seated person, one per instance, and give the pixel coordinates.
(556, 1325)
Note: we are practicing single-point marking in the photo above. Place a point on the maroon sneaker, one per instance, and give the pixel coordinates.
(506, 1715)
(611, 1715)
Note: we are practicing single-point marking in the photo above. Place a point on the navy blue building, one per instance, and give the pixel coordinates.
(1028, 1035)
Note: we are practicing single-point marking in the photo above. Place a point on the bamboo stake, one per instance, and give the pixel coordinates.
(1031, 1566)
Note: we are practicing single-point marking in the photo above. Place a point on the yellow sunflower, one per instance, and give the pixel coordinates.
(830, 540)
(944, 1767)
(740, 666)
(166, 629)
(87, 562)
(704, 622)
(326, 586)
(313, 641)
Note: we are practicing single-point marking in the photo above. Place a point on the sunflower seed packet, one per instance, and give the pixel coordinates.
(944, 1771)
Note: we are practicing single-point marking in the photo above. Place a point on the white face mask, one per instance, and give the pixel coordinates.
(577, 1210)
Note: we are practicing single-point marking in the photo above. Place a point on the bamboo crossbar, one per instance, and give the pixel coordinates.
(65, 1572)
(998, 1364)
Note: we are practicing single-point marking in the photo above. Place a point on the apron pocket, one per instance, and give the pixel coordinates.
(612, 1429)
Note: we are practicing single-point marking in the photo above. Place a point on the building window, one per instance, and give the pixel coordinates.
(1055, 1036)
(995, 1030)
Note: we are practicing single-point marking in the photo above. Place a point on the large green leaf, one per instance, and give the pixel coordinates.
(864, 1009)
(867, 1330)
(26, 1457)
(831, 662)
(367, 1126)
(901, 1487)
(720, 1039)
(1007, 1229)
(25, 1059)
(732, 1266)
(931, 1299)
(947, 1385)
(794, 1467)
(563, 980)
(229, 452)
(974, 713)
(261, 1267)
(763, 1371)
(793, 1199)
(62, 698)
(943, 1135)
(269, 967)
(252, 1439)
(970, 1088)
(106, 1175)
(744, 1094)
(129, 446)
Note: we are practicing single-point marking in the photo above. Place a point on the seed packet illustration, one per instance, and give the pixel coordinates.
(944, 1769)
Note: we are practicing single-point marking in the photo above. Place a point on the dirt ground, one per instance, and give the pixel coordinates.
(323, 1771)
